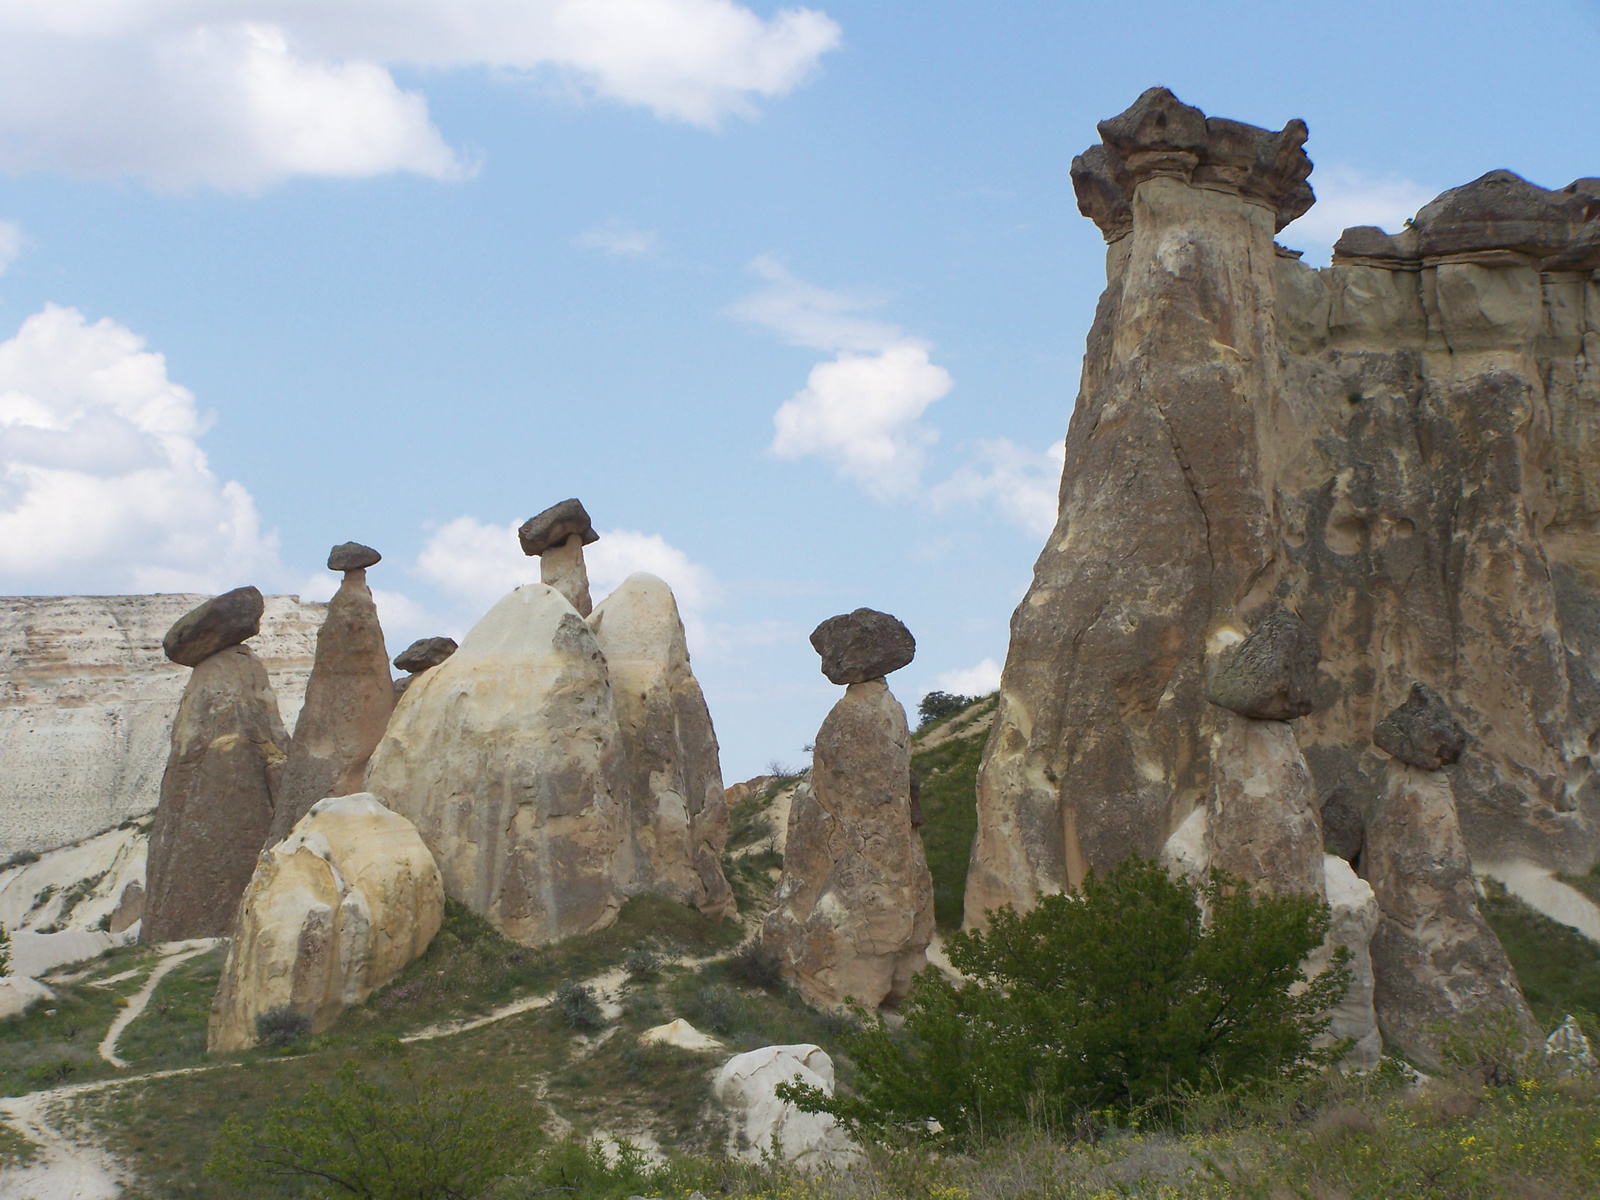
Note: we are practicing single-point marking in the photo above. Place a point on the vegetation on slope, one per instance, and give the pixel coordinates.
(945, 755)
(1558, 967)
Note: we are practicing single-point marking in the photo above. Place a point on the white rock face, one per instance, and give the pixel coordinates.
(75, 886)
(1354, 920)
(672, 773)
(335, 910)
(18, 994)
(747, 1087)
(506, 758)
(87, 701)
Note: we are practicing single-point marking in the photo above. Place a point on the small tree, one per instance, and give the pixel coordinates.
(936, 706)
(1113, 997)
(405, 1140)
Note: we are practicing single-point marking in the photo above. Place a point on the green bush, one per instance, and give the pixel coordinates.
(936, 706)
(1112, 998)
(281, 1027)
(578, 1007)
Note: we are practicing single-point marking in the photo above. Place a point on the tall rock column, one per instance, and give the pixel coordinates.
(348, 698)
(672, 773)
(1165, 540)
(853, 913)
(1437, 962)
(558, 536)
(228, 753)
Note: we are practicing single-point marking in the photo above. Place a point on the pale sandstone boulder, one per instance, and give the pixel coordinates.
(1437, 963)
(334, 911)
(853, 913)
(348, 701)
(506, 757)
(671, 772)
(1354, 919)
(228, 751)
(766, 1127)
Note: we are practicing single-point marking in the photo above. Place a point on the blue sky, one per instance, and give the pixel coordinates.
(794, 299)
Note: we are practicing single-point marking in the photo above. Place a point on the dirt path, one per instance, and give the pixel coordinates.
(174, 953)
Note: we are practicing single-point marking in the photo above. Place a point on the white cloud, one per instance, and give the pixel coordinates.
(621, 552)
(103, 485)
(1347, 197)
(806, 315)
(238, 94)
(977, 680)
(1021, 483)
(619, 240)
(10, 244)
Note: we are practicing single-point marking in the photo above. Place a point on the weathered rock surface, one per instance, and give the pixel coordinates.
(214, 625)
(671, 771)
(1263, 825)
(766, 1127)
(1421, 732)
(348, 701)
(562, 568)
(425, 653)
(332, 912)
(678, 1032)
(352, 556)
(1272, 674)
(853, 913)
(558, 536)
(77, 887)
(1436, 961)
(228, 751)
(506, 758)
(1354, 920)
(87, 700)
(862, 645)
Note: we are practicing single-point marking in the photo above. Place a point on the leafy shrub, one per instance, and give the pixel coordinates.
(578, 1007)
(1112, 998)
(936, 706)
(715, 1008)
(756, 966)
(641, 964)
(281, 1027)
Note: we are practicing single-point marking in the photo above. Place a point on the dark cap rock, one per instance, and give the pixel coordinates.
(1499, 211)
(862, 645)
(425, 653)
(555, 525)
(1422, 732)
(353, 556)
(220, 622)
(1272, 674)
(1100, 197)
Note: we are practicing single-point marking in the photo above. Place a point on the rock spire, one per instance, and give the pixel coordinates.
(558, 536)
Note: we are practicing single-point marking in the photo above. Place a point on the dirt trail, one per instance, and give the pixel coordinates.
(174, 953)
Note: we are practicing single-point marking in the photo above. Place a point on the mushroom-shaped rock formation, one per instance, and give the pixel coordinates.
(558, 536)
(334, 911)
(862, 645)
(348, 698)
(217, 794)
(1272, 674)
(1421, 732)
(853, 913)
(671, 771)
(223, 621)
(506, 758)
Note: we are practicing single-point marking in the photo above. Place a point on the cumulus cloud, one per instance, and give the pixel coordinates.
(103, 485)
(238, 94)
(977, 680)
(1022, 484)
(860, 411)
(619, 240)
(1347, 197)
(10, 244)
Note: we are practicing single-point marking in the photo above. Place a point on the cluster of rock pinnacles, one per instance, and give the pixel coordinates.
(1321, 610)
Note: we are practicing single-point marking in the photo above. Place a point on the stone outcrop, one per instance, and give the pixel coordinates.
(87, 700)
(1353, 920)
(671, 771)
(765, 1127)
(1263, 824)
(862, 645)
(1270, 675)
(558, 536)
(228, 752)
(223, 621)
(506, 757)
(348, 700)
(334, 911)
(1421, 732)
(422, 655)
(853, 912)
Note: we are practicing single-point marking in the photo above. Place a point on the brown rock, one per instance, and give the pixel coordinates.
(348, 701)
(1263, 824)
(1498, 211)
(562, 568)
(130, 907)
(353, 556)
(220, 622)
(1272, 674)
(1421, 732)
(555, 525)
(425, 653)
(853, 913)
(862, 645)
(228, 750)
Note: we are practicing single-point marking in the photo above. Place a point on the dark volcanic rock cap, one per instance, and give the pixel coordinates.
(555, 525)
(1272, 674)
(220, 622)
(353, 556)
(425, 653)
(1422, 731)
(862, 645)
(1499, 211)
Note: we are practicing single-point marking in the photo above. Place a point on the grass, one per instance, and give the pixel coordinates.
(948, 774)
(1588, 884)
(171, 1031)
(15, 1150)
(1558, 967)
(751, 878)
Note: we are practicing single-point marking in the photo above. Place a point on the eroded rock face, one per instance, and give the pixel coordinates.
(1353, 921)
(1436, 962)
(853, 913)
(1263, 824)
(348, 701)
(671, 771)
(506, 757)
(1272, 674)
(335, 910)
(228, 752)
(767, 1127)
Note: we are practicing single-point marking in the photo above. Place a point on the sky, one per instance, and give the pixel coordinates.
(793, 298)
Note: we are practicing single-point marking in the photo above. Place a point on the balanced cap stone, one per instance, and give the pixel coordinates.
(866, 644)
(424, 653)
(1272, 674)
(353, 556)
(1422, 731)
(555, 525)
(1499, 211)
(220, 622)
